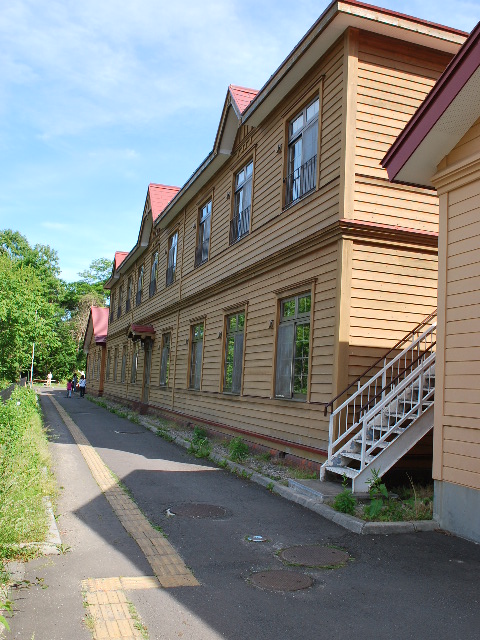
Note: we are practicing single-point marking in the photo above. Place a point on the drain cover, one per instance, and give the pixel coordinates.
(199, 511)
(279, 580)
(314, 555)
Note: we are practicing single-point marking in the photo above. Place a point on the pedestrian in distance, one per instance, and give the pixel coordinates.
(49, 379)
(74, 382)
(69, 388)
(82, 384)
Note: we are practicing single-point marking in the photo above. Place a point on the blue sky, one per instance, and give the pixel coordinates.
(100, 98)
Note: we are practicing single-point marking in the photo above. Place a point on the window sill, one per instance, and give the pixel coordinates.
(245, 235)
(301, 199)
(200, 264)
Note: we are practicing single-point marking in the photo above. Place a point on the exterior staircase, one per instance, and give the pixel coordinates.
(383, 417)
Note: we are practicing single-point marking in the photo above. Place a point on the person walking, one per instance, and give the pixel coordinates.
(74, 382)
(69, 388)
(82, 384)
(49, 379)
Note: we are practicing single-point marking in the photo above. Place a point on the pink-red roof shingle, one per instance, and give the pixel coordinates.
(120, 257)
(100, 323)
(242, 96)
(160, 196)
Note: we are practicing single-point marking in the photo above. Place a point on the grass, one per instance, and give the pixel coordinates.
(25, 475)
(137, 622)
(414, 502)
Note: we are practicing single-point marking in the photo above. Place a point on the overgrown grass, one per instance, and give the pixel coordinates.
(25, 476)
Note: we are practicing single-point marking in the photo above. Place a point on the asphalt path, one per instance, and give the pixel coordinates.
(423, 585)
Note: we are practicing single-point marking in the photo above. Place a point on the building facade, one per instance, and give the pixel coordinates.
(94, 345)
(440, 148)
(287, 263)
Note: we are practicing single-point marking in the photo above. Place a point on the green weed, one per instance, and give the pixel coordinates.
(345, 502)
(238, 450)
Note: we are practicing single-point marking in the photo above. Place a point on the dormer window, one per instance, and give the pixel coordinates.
(302, 153)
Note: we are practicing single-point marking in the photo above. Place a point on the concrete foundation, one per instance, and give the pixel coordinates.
(457, 509)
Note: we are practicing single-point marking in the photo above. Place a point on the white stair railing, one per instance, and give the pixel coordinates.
(349, 418)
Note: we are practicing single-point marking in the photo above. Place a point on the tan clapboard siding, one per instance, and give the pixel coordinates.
(392, 291)
(278, 419)
(467, 146)
(393, 80)
(461, 379)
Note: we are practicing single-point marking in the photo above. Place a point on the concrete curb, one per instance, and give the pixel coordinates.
(300, 496)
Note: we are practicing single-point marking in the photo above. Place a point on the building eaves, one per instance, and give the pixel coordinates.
(446, 114)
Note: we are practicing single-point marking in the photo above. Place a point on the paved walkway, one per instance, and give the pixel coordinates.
(121, 578)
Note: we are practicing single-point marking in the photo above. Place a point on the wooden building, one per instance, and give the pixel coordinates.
(94, 345)
(287, 262)
(440, 147)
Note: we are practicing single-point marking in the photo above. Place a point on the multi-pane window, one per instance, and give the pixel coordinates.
(302, 153)
(115, 364)
(232, 377)
(107, 372)
(128, 302)
(203, 238)
(293, 347)
(240, 223)
(133, 377)
(165, 360)
(98, 361)
(196, 352)
(139, 286)
(153, 275)
(120, 300)
(172, 258)
(112, 305)
(124, 364)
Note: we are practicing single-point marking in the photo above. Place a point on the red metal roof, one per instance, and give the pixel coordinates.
(100, 323)
(441, 97)
(120, 257)
(242, 96)
(160, 196)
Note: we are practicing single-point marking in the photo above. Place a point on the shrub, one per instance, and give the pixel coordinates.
(238, 450)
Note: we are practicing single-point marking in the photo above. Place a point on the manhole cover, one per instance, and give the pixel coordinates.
(199, 511)
(278, 580)
(314, 555)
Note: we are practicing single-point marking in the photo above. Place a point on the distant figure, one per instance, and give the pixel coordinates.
(69, 388)
(82, 384)
(49, 380)
(74, 382)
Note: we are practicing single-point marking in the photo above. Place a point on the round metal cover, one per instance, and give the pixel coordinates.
(279, 580)
(199, 511)
(314, 555)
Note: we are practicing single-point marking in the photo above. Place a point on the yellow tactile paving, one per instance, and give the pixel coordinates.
(108, 607)
(167, 565)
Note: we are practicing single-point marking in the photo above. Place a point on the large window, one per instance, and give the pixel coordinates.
(203, 238)
(115, 364)
(128, 302)
(107, 372)
(172, 258)
(120, 300)
(153, 275)
(196, 353)
(165, 360)
(112, 306)
(232, 377)
(139, 286)
(240, 223)
(302, 153)
(133, 376)
(124, 364)
(293, 348)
